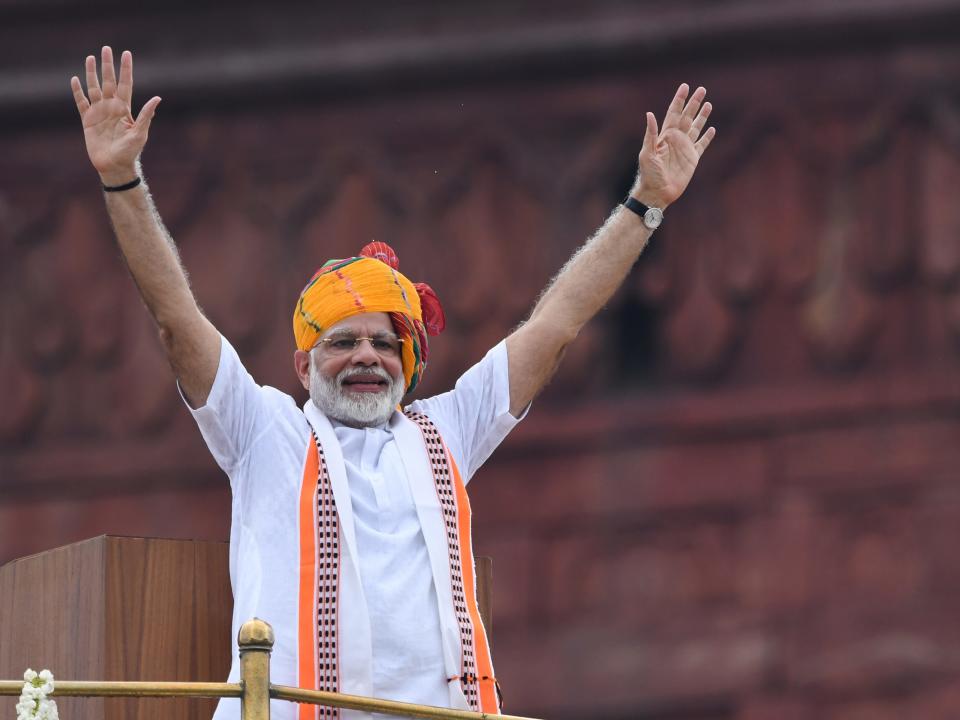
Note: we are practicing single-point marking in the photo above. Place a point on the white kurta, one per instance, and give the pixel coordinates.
(399, 638)
(395, 572)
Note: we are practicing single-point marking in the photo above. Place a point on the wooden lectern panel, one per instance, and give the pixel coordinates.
(115, 608)
(51, 616)
(185, 583)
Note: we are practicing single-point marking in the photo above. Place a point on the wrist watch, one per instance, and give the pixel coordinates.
(651, 216)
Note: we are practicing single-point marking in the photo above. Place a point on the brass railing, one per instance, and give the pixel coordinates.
(254, 689)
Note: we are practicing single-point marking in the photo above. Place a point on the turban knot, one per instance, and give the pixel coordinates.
(371, 282)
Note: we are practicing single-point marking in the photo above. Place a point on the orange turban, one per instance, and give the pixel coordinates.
(370, 282)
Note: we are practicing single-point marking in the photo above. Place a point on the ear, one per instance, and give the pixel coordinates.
(301, 363)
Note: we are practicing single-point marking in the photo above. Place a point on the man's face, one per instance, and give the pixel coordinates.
(357, 381)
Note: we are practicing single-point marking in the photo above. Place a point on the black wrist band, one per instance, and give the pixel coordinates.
(126, 186)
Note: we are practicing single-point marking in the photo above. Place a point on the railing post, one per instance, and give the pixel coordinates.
(256, 643)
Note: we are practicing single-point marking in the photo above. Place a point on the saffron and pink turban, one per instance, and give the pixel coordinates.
(371, 282)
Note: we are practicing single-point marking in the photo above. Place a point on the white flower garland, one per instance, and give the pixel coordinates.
(34, 703)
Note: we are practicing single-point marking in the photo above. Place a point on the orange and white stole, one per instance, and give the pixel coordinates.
(319, 584)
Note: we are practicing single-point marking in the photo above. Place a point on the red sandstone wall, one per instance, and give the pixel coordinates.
(738, 497)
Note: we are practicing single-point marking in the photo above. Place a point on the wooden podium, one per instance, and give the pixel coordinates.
(119, 608)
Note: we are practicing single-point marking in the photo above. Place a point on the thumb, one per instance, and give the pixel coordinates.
(146, 114)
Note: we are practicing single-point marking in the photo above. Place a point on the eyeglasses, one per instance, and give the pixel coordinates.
(387, 346)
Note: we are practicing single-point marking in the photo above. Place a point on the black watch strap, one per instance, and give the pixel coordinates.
(631, 203)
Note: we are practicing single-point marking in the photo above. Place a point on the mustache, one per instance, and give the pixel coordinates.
(379, 372)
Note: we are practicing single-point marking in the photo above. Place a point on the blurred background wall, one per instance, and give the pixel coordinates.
(737, 500)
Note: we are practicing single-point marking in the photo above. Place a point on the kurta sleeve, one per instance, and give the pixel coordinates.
(235, 413)
(474, 417)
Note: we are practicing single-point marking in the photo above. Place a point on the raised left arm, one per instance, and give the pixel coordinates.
(666, 164)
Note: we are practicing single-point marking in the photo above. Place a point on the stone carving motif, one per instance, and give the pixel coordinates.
(755, 181)
(884, 171)
(23, 395)
(92, 309)
(237, 266)
(700, 331)
(140, 398)
(940, 226)
(837, 317)
(939, 220)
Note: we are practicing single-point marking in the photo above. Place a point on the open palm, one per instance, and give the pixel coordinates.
(114, 138)
(670, 156)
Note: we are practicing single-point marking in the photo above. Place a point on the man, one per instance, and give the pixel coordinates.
(350, 523)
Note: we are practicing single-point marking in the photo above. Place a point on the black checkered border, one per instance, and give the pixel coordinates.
(443, 479)
(328, 586)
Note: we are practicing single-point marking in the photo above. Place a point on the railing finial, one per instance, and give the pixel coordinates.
(256, 634)
(255, 641)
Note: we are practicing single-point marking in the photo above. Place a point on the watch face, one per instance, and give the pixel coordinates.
(652, 218)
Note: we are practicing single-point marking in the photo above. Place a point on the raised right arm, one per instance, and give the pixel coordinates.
(114, 142)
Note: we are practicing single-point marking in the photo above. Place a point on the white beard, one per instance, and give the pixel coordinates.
(355, 409)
